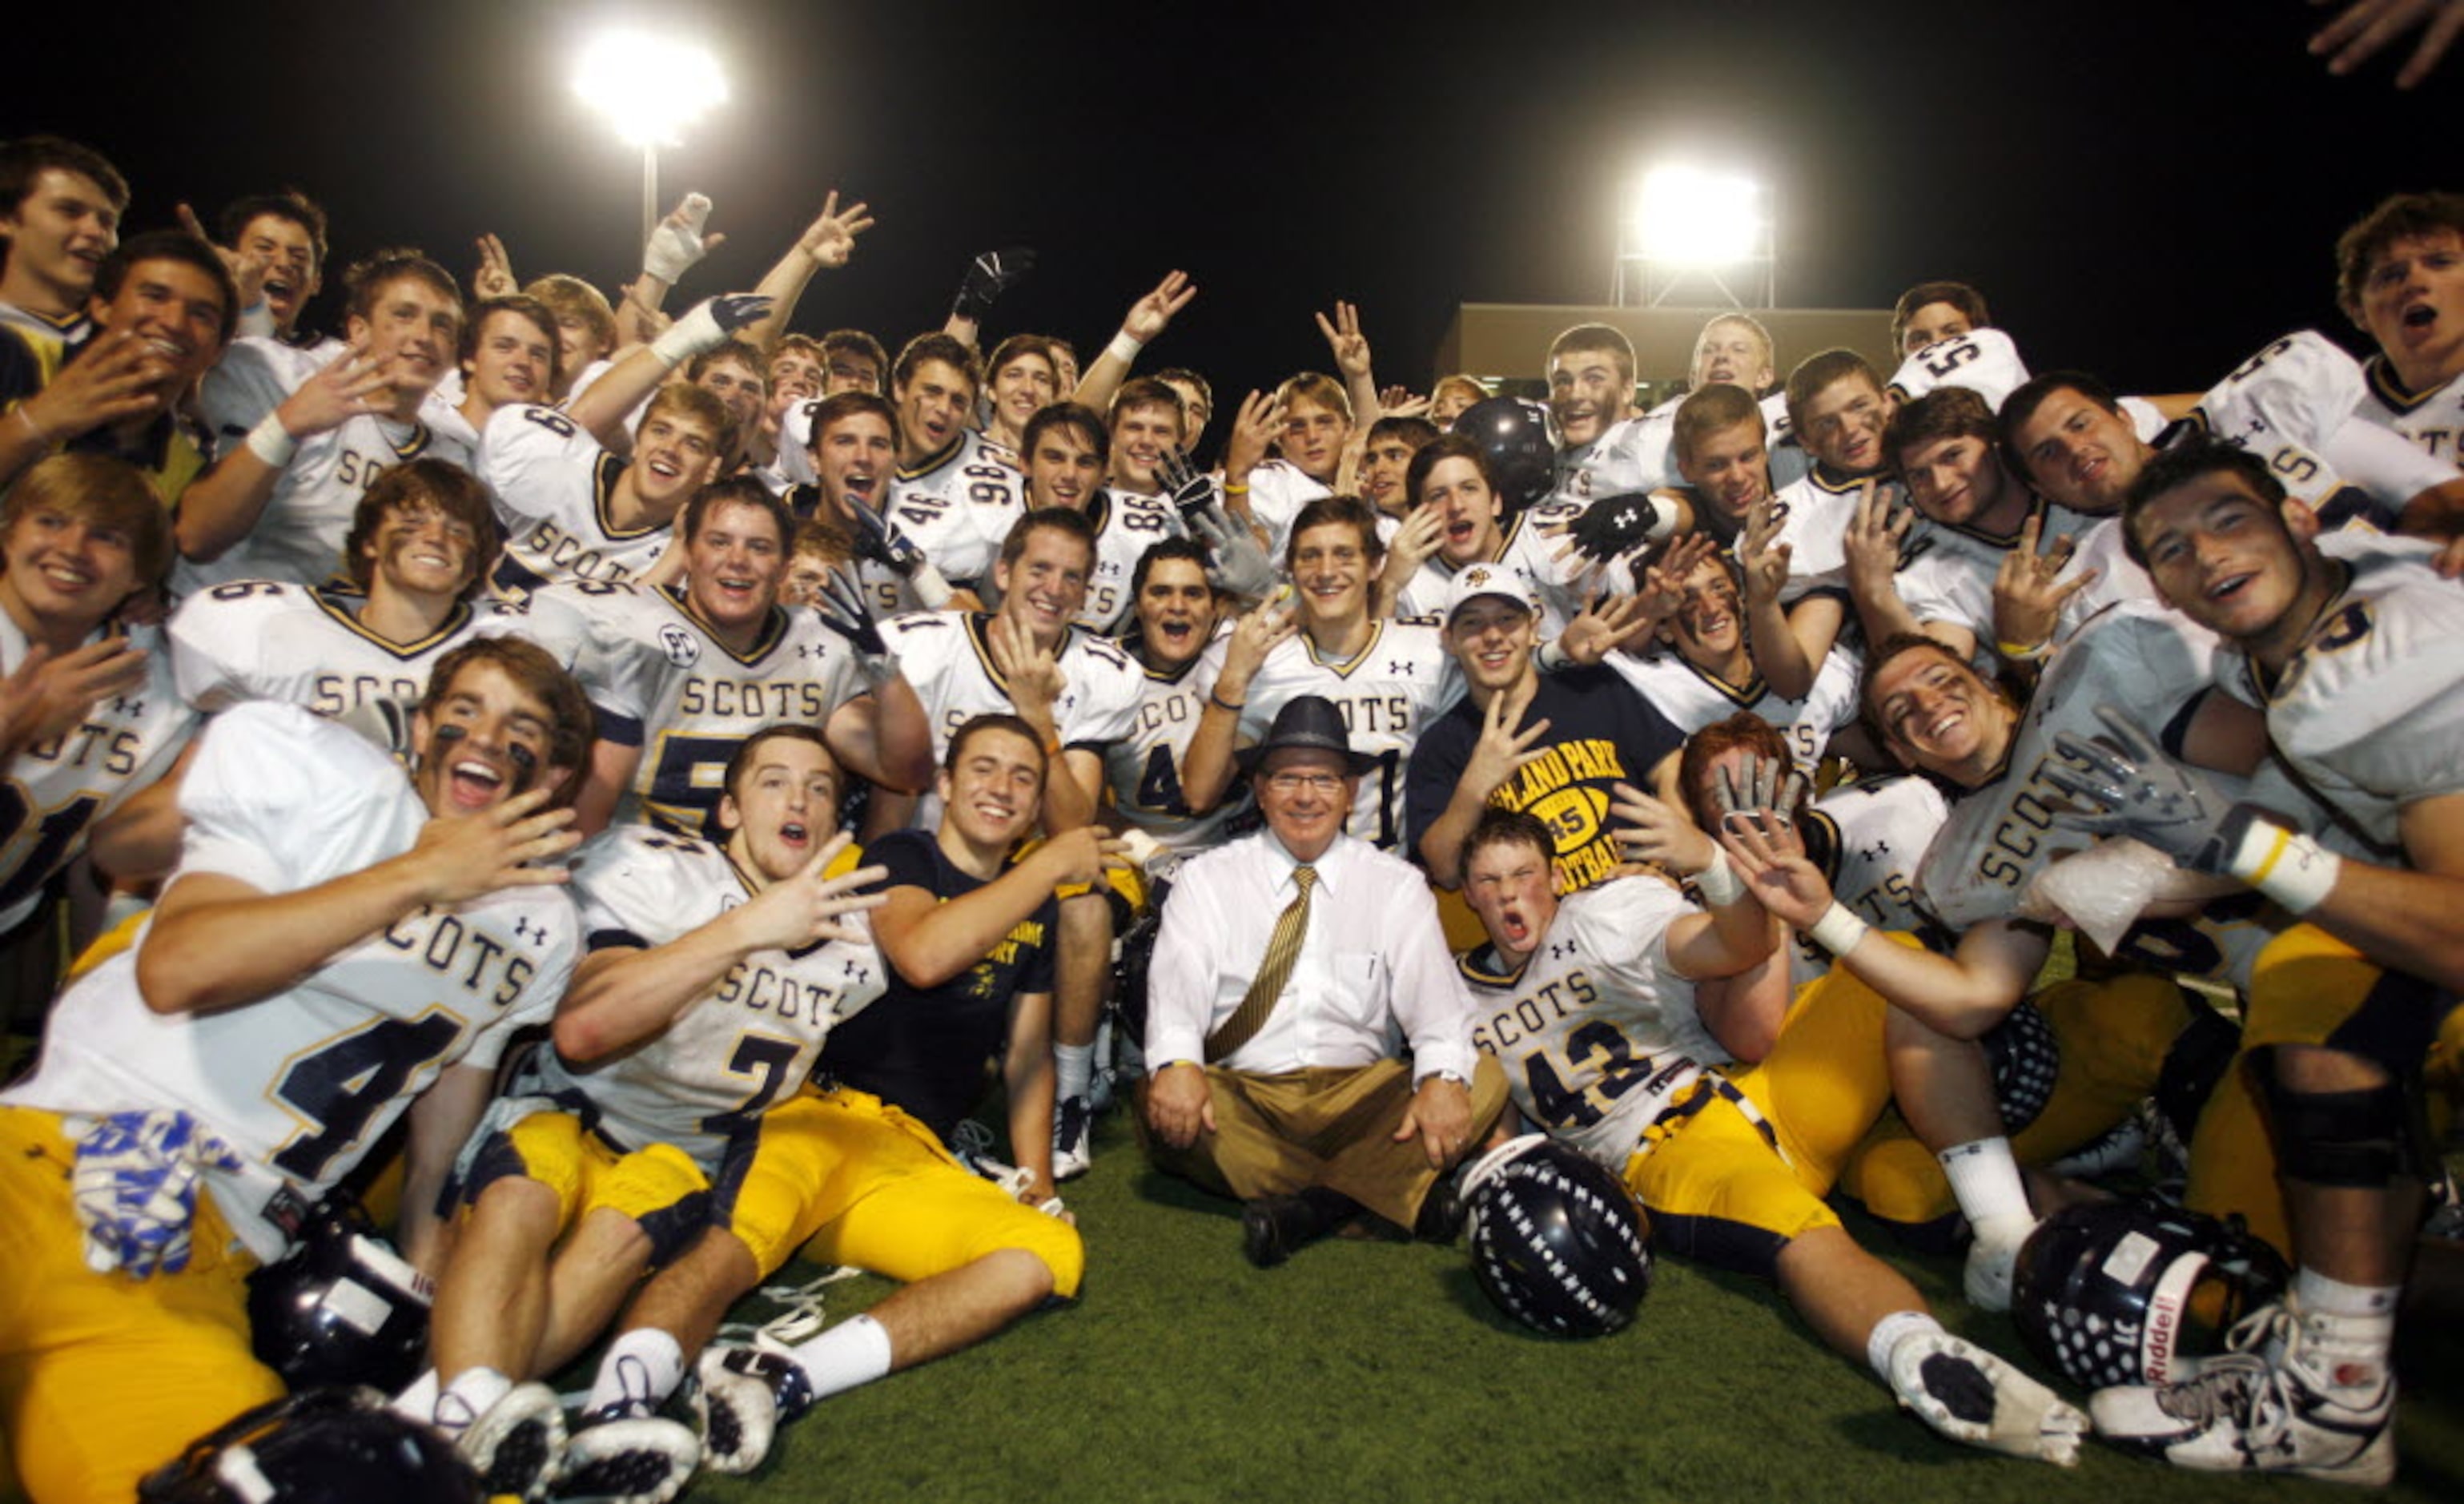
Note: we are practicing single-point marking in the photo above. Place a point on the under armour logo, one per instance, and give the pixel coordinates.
(121, 705)
(855, 974)
(1559, 950)
(524, 929)
(1401, 668)
(1876, 852)
(812, 650)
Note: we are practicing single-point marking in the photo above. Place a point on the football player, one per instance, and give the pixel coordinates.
(1178, 616)
(1019, 383)
(63, 203)
(1796, 567)
(1308, 421)
(944, 465)
(162, 309)
(573, 511)
(1458, 520)
(1389, 679)
(1590, 1003)
(681, 674)
(905, 559)
(97, 716)
(1932, 312)
(1556, 743)
(279, 241)
(2398, 275)
(860, 1172)
(509, 359)
(420, 547)
(340, 946)
(1080, 693)
(1602, 447)
(1386, 459)
(712, 975)
(585, 329)
(1067, 451)
(2352, 659)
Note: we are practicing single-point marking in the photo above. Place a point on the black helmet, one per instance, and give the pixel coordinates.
(1514, 437)
(339, 1445)
(341, 1307)
(2106, 1292)
(1558, 1240)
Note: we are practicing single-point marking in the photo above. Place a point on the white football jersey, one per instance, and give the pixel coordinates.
(2431, 420)
(1278, 490)
(303, 1083)
(1529, 552)
(1693, 698)
(1984, 360)
(741, 1047)
(2370, 711)
(974, 474)
(299, 537)
(553, 485)
(947, 657)
(1127, 524)
(2141, 656)
(1814, 512)
(1389, 691)
(2294, 405)
(304, 645)
(52, 791)
(1874, 834)
(1598, 1032)
(662, 682)
(1634, 454)
(1947, 573)
(1144, 766)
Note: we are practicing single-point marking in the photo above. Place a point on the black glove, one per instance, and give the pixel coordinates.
(988, 276)
(736, 310)
(879, 540)
(1614, 525)
(841, 606)
(1190, 490)
(2129, 786)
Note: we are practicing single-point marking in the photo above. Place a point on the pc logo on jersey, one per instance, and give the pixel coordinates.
(681, 649)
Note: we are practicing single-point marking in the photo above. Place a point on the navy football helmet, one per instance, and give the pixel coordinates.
(332, 1446)
(341, 1307)
(2107, 1292)
(1556, 1241)
(1513, 437)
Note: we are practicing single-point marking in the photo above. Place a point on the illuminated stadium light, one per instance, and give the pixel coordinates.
(1691, 218)
(649, 89)
(1693, 228)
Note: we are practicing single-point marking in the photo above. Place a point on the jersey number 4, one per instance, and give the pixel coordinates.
(340, 1087)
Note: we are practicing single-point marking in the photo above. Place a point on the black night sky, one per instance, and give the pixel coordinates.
(2149, 189)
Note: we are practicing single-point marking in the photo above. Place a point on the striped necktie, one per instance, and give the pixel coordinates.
(1283, 949)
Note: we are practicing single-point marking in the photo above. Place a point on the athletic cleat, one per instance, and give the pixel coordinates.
(624, 1455)
(743, 1395)
(514, 1445)
(1073, 1151)
(2118, 1148)
(2260, 1407)
(1972, 1397)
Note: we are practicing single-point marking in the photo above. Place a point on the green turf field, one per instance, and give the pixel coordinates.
(1378, 1371)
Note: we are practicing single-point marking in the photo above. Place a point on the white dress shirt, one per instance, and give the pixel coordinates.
(1373, 972)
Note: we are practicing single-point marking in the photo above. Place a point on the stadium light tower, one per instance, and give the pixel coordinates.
(650, 88)
(1688, 226)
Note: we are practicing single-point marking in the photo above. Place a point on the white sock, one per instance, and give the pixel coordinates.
(1073, 1069)
(1888, 1335)
(471, 1394)
(854, 1352)
(645, 1363)
(1986, 1180)
(418, 1403)
(2321, 1296)
(2353, 1327)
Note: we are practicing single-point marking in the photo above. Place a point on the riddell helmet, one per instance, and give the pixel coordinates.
(1556, 1241)
(1514, 437)
(341, 1307)
(330, 1446)
(2027, 1059)
(2106, 1292)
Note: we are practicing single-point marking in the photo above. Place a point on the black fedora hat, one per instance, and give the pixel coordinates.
(1311, 722)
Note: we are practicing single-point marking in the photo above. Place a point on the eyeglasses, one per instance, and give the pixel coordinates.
(1314, 783)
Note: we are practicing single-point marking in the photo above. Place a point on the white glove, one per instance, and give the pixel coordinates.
(135, 1189)
(673, 248)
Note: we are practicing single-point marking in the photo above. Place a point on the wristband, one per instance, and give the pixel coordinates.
(1124, 348)
(930, 588)
(1555, 659)
(1719, 883)
(1221, 704)
(1240, 489)
(1052, 746)
(2285, 865)
(1838, 930)
(269, 441)
(2018, 653)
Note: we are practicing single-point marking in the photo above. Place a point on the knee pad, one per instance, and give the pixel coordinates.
(2362, 1139)
(2201, 1054)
